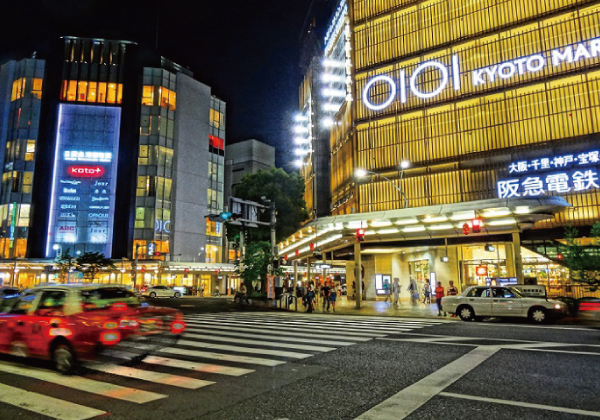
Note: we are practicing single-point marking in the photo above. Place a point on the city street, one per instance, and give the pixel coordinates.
(275, 365)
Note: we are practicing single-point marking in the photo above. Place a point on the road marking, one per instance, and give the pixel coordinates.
(236, 349)
(270, 330)
(363, 318)
(183, 364)
(523, 404)
(278, 326)
(258, 343)
(270, 337)
(224, 357)
(350, 321)
(410, 399)
(149, 376)
(83, 384)
(321, 325)
(585, 353)
(47, 406)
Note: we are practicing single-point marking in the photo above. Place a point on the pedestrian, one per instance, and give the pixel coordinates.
(194, 290)
(427, 292)
(202, 290)
(333, 296)
(412, 290)
(452, 291)
(364, 295)
(439, 294)
(387, 291)
(217, 292)
(396, 289)
(325, 293)
(310, 297)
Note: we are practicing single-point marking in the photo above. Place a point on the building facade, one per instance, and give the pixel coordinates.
(109, 148)
(246, 157)
(491, 103)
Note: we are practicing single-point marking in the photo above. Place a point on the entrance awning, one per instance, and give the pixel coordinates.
(499, 216)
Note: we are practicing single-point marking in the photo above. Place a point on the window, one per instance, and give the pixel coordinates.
(92, 92)
(102, 92)
(478, 292)
(148, 95)
(27, 182)
(140, 214)
(143, 158)
(18, 89)
(30, 153)
(216, 118)
(52, 301)
(36, 90)
(168, 98)
(24, 211)
(111, 97)
(82, 88)
(23, 305)
(213, 228)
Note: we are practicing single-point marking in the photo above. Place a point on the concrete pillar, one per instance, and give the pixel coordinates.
(357, 276)
(307, 272)
(295, 274)
(518, 260)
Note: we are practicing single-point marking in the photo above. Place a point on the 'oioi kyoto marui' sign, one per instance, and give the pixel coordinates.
(451, 74)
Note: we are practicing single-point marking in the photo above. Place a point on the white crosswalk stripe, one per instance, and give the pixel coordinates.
(241, 342)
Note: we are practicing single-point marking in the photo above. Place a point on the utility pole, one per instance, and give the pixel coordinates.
(134, 266)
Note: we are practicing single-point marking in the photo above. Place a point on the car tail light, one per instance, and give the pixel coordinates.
(110, 325)
(119, 306)
(110, 337)
(60, 332)
(177, 326)
(589, 306)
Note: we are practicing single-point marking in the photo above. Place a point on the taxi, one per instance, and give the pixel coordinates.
(68, 323)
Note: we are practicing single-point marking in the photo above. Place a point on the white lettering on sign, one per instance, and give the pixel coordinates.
(557, 162)
(486, 75)
(559, 183)
(81, 156)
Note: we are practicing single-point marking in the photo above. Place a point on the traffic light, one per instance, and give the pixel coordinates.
(312, 246)
(360, 235)
(559, 257)
(225, 217)
(477, 224)
(466, 229)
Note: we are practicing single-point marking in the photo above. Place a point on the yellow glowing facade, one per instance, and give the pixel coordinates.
(460, 141)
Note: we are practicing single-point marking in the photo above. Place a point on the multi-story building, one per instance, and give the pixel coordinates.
(107, 147)
(246, 157)
(491, 107)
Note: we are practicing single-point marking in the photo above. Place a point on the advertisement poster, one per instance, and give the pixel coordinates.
(270, 287)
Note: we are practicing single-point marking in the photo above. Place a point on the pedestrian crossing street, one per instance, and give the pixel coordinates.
(214, 346)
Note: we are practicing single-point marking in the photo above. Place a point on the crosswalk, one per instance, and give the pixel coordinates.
(213, 347)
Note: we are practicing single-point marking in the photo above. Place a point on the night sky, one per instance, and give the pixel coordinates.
(248, 51)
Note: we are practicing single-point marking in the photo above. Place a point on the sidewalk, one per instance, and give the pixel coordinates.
(405, 309)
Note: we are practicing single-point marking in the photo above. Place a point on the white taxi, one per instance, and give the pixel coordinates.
(161, 291)
(478, 302)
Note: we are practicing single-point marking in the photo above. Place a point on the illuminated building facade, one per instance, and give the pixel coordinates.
(109, 148)
(490, 102)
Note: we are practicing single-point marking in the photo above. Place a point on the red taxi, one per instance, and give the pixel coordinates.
(67, 323)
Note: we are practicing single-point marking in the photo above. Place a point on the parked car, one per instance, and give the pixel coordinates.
(161, 291)
(67, 323)
(478, 302)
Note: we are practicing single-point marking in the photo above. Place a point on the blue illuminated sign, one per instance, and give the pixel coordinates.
(84, 179)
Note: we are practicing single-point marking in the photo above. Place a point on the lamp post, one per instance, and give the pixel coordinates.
(361, 173)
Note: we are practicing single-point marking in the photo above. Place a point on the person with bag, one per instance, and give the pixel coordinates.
(396, 289)
(310, 298)
(427, 292)
(387, 291)
(452, 291)
(333, 296)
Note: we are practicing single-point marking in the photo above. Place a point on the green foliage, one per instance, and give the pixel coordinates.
(254, 265)
(65, 263)
(583, 260)
(285, 190)
(90, 263)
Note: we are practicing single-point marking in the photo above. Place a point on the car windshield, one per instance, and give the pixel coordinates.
(516, 292)
(104, 297)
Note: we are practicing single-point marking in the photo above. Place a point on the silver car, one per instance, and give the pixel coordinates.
(161, 291)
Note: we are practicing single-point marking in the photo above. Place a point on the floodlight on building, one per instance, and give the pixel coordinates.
(301, 140)
(360, 173)
(334, 93)
(300, 152)
(327, 122)
(334, 64)
(299, 163)
(300, 129)
(333, 78)
(331, 107)
(405, 164)
(300, 118)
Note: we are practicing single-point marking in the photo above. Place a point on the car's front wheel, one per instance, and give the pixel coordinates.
(466, 313)
(152, 295)
(538, 315)
(177, 295)
(63, 358)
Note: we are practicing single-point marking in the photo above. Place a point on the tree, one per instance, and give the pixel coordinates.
(285, 190)
(65, 263)
(254, 266)
(91, 262)
(582, 257)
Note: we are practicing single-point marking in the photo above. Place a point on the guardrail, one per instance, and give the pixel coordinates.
(288, 297)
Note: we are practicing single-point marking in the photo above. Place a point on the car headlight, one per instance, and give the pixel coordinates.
(557, 306)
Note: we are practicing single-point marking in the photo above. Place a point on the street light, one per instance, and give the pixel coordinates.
(361, 173)
(57, 247)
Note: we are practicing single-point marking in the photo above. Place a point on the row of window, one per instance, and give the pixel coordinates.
(16, 182)
(149, 218)
(154, 186)
(20, 86)
(540, 38)
(536, 114)
(14, 215)
(159, 96)
(94, 92)
(19, 149)
(216, 118)
(156, 155)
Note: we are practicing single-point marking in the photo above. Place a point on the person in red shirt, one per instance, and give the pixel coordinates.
(439, 294)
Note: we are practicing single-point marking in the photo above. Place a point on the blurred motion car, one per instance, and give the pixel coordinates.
(161, 291)
(9, 292)
(478, 302)
(588, 307)
(68, 323)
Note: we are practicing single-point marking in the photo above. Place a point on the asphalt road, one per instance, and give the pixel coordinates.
(273, 365)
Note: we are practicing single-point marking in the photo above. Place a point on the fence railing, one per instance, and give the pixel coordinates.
(572, 290)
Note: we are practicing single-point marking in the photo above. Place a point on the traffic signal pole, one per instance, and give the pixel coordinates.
(357, 275)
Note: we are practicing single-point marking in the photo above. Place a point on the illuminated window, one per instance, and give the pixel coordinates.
(212, 254)
(148, 95)
(30, 154)
(140, 214)
(82, 88)
(101, 92)
(36, 90)
(23, 220)
(143, 159)
(168, 98)
(120, 93)
(18, 89)
(92, 95)
(216, 118)
(27, 182)
(71, 90)
(213, 228)
(111, 97)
